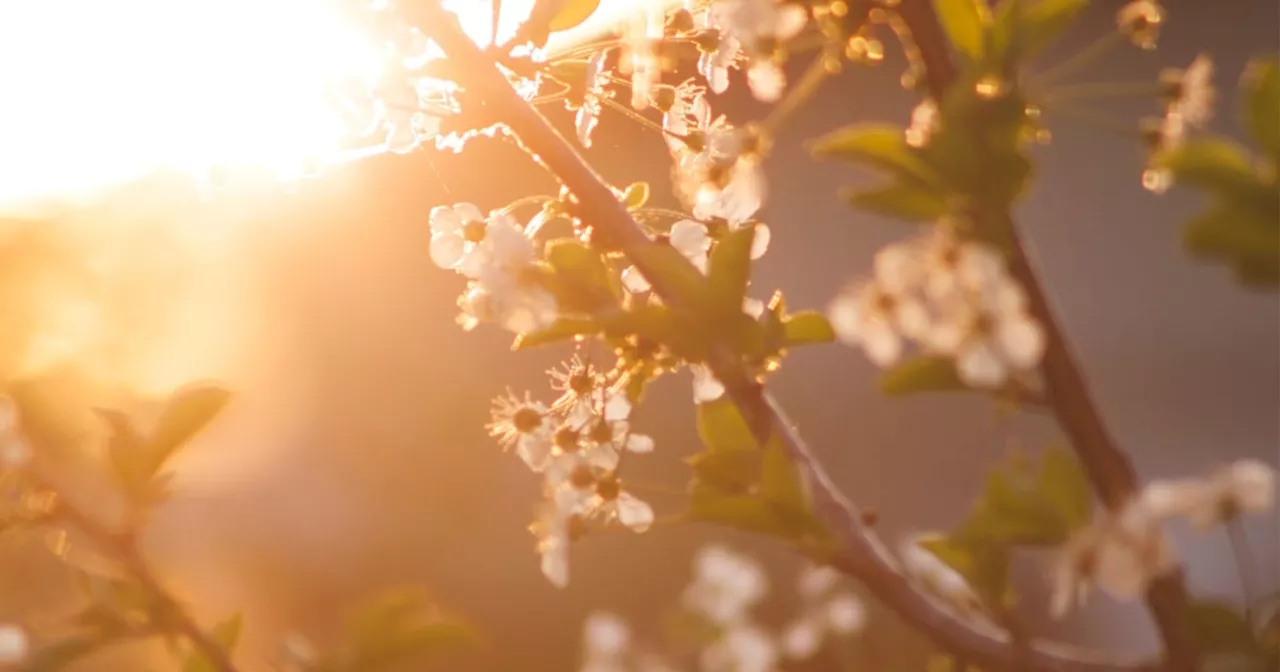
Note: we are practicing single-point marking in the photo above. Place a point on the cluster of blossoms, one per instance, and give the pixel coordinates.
(1125, 550)
(726, 586)
(1188, 96)
(576, 444)
(949, 296)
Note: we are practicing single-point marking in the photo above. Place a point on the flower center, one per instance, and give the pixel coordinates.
(474, 231)
(567, 439)
(601, 432)
(581, 477)
(526, 420)
(582, 383)
(609, 488)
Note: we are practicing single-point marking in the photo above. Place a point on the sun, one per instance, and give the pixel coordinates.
(99, 92)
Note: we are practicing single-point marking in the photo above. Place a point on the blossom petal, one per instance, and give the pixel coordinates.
(447, 250)
(444, 219)
(767, 81)
(802, 639)
(979, 366)
(846, 614)
(705, 386)
(881, 342)
(689, 238)
(791, 20)
(634, 512)
(760, 244)
(1022, 341)
(634, 280)
(639, 443)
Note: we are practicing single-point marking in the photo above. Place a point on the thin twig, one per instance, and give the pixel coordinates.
(1108, 468)
(123, 547)
(858, 551)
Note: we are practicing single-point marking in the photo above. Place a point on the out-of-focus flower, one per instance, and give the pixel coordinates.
(827, 610)
(1244, 486)
(725, 585)
(1140, 21)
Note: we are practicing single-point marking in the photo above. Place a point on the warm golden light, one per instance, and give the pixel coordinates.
(101, 92)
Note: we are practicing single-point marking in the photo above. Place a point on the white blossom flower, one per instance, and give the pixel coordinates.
(939, 578)
(641, 57)
(1190, 92)
(1140, 20)
(578, 383)
(612, 504)
(714, 63)
(506, 299)
(743, 647)
(1120, 553)
(466, 240)
(606, 642)
(688, 116)
(589, 112)
(1245, 486)
(760, 27)
(15, 644)
(827, 610)
(553, 530)
(865, 314)
(706, 387)
(924, 123)
(726, 584)
(693, 241)
(526, 425)
(991, 337)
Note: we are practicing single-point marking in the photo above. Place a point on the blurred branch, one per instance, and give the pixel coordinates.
(1109, 468)
(122, 546)
(859, 552)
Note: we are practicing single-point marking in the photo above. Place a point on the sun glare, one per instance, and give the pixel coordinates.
(102, 92)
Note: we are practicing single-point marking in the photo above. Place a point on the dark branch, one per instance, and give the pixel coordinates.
(859, 552)
(1109, 468)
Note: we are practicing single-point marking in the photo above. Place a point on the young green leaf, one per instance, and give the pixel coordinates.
(734, 471)
(743, 512)
(583, 282)
(672, 270)
(965, 22)
(882, 147)
(722, 428)
(225, 635)
(189, 412)
(729, 271)
(563, 329)
(1219, 166)
(1246, 240)
(1261, 86)
(924, 373)
(1065, 486)
(906, 200)
(636, 195)
(983, 564)
(805, 327)
(781, 482)
(1032, 25)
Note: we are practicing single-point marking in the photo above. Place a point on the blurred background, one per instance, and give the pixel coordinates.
(355, 456)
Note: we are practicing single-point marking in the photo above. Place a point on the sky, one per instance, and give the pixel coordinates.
(364, 417)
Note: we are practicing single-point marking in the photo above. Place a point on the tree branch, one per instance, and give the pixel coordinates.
(859, 552)
(1108, 467)
(123, 548)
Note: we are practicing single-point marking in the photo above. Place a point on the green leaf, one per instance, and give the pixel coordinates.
(1011, 510)
(1029, 26)
(1065, 486)
(923, 373)
(805, 327)
(572, 14)
(729, 471)
(781, 482)
(636, 195)
(658, 323)
(563, 329)
(908, 201)
(672, 270)
(1219, 166)
(879, 146)
(583, 282)
(721, 427)
(189, 412)
(965, 23)
(983, 564)
(400, 627)
(225, 634)
(729, 271)
(743, 512)
(1261, 87)
(1247, 240)
(1220, 628)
